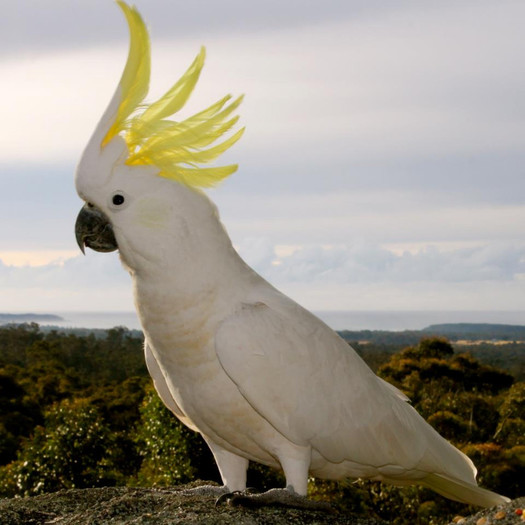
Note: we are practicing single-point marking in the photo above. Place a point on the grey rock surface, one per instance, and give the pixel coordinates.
(123, 505)
(500, 515)
(139, 506)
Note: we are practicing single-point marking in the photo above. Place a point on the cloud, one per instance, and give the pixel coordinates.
(476, 296)
(368, 263)
(355, 88)
(359, 276)
(355, 263)
(377, 216)
(80, 272)
(89, 283)
(373, 129)
(38, 208)
(30, 26)
(54, 102)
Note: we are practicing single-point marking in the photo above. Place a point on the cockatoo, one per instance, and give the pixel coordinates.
(258, 376)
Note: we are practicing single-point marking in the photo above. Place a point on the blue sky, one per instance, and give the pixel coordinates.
(382, 166)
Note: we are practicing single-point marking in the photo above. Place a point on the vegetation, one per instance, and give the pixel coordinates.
(475, 331)
(80, 411)
(498, 345)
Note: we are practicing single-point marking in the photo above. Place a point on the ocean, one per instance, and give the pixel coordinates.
(338, 320)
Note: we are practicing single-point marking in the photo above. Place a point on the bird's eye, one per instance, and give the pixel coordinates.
(118, 199)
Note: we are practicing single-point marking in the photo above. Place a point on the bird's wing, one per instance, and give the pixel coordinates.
(314, 389)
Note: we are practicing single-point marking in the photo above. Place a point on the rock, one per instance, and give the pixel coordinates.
(139, 506)
(124, 505)
(500, 515)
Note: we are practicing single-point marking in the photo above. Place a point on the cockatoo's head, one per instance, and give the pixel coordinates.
(140, 173)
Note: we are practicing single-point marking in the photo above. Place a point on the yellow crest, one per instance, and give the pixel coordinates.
(176, 148)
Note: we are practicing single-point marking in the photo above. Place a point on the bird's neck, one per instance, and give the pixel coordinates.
(199, 281)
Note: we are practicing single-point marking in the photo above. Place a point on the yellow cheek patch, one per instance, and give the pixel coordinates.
(152, 213)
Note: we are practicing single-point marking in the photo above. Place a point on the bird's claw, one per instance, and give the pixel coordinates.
(273, 497)
(233, 498)
(226, 498)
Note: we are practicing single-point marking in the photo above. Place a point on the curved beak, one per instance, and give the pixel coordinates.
(93, 229)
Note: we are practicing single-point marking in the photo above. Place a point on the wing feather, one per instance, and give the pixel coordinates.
(314, 389)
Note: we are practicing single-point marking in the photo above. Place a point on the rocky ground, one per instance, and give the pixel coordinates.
(122, 505)
(511, 514)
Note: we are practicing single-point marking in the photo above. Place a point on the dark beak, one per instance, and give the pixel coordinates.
(93, 229)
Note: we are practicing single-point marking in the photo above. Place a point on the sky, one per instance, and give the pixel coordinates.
(382, 168)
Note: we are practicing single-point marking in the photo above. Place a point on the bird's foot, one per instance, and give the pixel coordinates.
(228, 497)
(273, 498)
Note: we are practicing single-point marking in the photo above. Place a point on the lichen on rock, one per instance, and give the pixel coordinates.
(140, 506)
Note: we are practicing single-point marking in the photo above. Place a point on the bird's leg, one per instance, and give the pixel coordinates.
(232, 469)
(295, 467)
(295, 464)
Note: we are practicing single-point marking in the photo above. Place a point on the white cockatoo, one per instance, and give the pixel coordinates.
(258, 376)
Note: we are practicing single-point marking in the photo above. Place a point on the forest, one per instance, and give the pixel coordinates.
(79, 410)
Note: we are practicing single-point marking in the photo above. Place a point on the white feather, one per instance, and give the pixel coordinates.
(258, 376)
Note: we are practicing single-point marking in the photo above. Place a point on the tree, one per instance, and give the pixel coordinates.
(18, 417)
(511, 427)
(73, 450)
(171, 452)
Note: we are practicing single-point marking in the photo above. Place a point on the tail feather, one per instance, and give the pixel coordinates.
(463, 491)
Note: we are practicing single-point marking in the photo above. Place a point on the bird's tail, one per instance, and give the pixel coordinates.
(463, 491)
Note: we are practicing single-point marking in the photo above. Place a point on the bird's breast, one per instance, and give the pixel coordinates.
(181, 335)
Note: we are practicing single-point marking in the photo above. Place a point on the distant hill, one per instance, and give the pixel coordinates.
(452, 331)
(478, 331)
(498, 345)
(28, 318)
